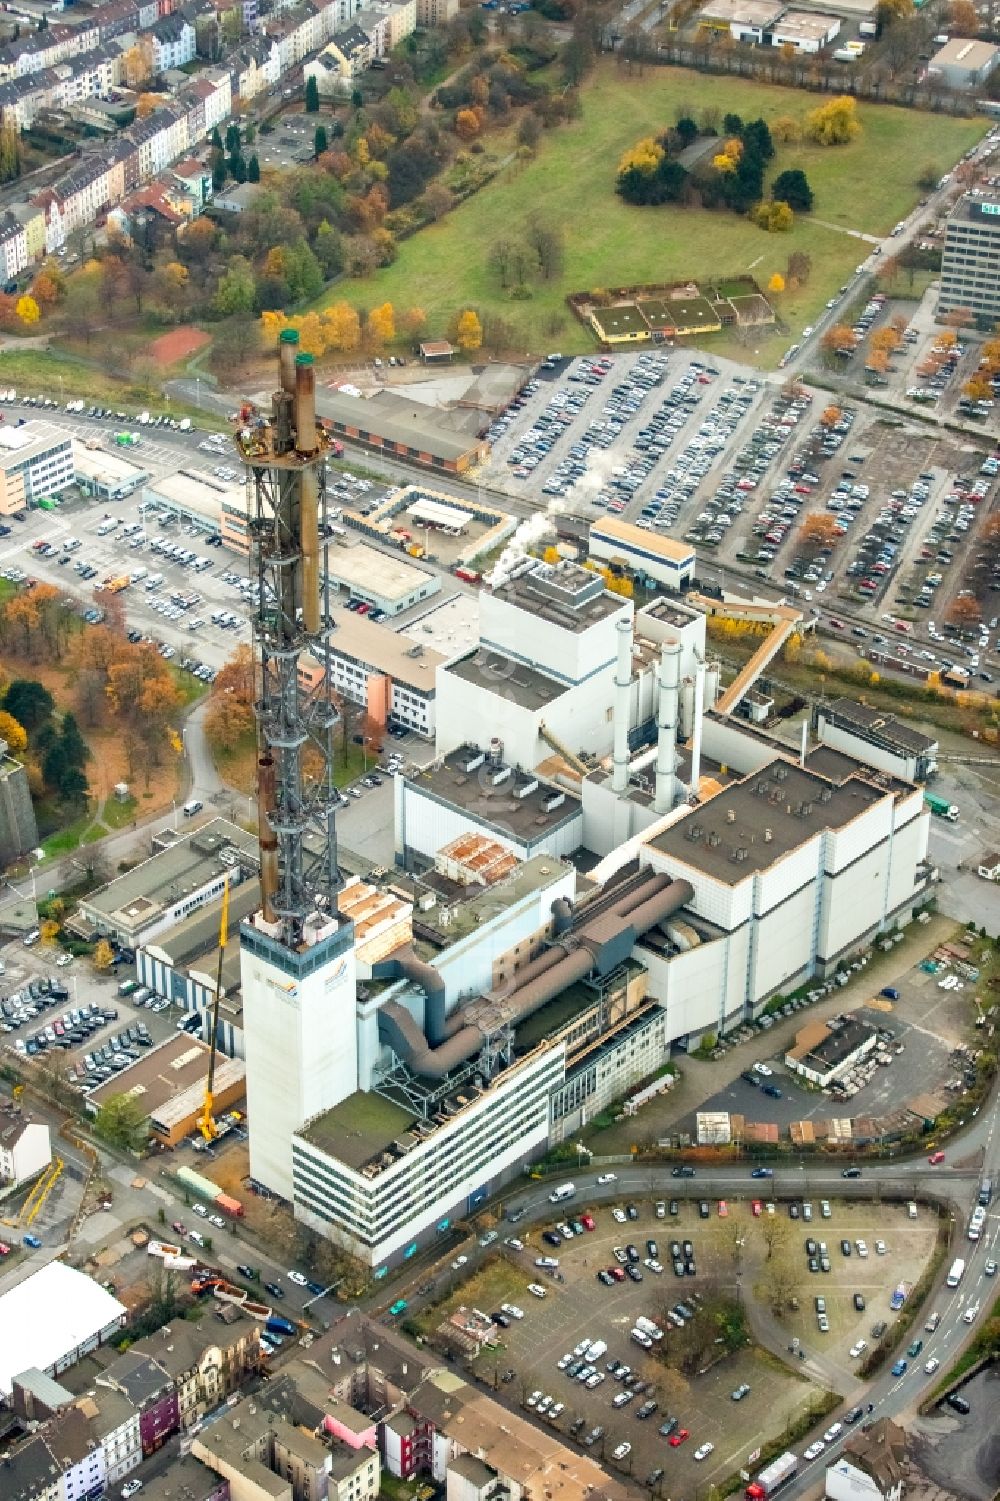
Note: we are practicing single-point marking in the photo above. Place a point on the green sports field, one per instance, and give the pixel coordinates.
(866, 186)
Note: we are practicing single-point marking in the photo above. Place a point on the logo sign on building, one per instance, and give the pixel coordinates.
(989, 208)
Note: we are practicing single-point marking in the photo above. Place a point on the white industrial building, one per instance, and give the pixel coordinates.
(389, 674)
(877, 738)
(103, 475)
(648, 554)
(376, 578)
(25, 1150)
(52, 1319)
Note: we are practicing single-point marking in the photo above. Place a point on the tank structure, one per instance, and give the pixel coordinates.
(285, 455)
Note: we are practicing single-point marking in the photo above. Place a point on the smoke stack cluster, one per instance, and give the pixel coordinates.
(623, 694)
(666, 725)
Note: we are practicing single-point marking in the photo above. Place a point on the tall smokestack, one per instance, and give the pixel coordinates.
(666, 725)
(623, 696)
(805, 741)
(699, 714)
(305, 404)
(309, 541)
(268, 838)
(288, 345)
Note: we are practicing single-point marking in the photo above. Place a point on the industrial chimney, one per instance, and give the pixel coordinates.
(666, 725)
(699, 714)
(623, 695)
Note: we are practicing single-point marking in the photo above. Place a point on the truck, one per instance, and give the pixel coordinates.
(468, 575)
(278, 1325)
(564, 1191)
(985, 1197)
(941, 807)
(773, 1476)
(209, 1191)
(957, 1272)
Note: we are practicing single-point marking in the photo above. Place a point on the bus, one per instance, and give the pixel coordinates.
(957, 1272)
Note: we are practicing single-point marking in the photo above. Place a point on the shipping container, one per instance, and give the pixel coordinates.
(203, 1187)
(229, 1205)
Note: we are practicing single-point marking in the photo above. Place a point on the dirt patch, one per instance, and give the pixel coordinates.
(179, 344)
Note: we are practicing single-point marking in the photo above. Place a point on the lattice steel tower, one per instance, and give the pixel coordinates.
(285, 454)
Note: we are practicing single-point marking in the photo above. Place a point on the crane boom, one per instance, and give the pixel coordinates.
(206, 1121)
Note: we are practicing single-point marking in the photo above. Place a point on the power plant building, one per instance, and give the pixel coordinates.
(413, 1041)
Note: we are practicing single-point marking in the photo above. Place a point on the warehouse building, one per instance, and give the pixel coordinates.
(103, 475)
(647, 554)
(744, 20)
(379, 580)
(53, 1319)
(171, 884)
(169, 1083)
(877, 738)
(199, 499)
(408, 431)
(970, 262)
(964, 64)
(807, 31)
(391, 676)
(36, 461)
(825, 1050)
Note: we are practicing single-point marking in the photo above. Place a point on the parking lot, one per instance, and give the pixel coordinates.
(531, 1362)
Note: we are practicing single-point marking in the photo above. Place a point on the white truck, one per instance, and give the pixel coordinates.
(564, 1191)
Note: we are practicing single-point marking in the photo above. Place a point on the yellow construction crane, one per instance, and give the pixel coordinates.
(206, 1121)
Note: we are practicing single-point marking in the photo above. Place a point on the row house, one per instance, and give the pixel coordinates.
(173, 41)
(60, 87)
(256, 67)
(13, 246)
(43, 49)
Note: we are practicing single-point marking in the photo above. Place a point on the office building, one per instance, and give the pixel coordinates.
(970, 262)
(391, 676)
(36, 461)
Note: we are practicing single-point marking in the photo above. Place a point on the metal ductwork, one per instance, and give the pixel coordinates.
(594, 944)
(666, 725)
(562, 915)
(622, 708)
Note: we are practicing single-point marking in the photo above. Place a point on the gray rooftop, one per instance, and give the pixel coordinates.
(563, 594)
(137, 897)
(751, 824)
(526, 806)
(838, 1046)
(415, 430)
(879, 725)
(186, 1479)
(507, 678)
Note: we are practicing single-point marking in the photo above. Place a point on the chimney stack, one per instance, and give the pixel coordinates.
(305, 405)
(623, 695)
(805, 741)
(666, 725)
(699, 713)
(288, 345)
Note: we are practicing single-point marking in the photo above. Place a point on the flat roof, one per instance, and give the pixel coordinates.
(838, 1045)
(198, 492)
(413, 427)
(881, 725)
(163, 878)
(961, 52)
(752, 823)
(381, 649)
(99, 463)
(563, 594)
(376, 572)
(749, 12)
(449, 627)
(669, 611)
(806, 23)
(520, 811)
(19, 445)
(508, 678)
(610, 529)
(49, 1314)
(160, 1077)
(620, 320)
(983, 211)
(358, 1128)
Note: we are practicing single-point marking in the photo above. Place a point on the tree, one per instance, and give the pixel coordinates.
(29, 702)
(793, 187)
(343, 327)
(236, 289)
(834, 123)
(840, 339)
(468, 331)
(28, 310)
(121, 1123)
(963, 18)
(889, 12)
(779, 1281)
(253, 169)
(468, 124)
(819, 529)
(312, 95)
(12, 733)
(776, 283)
(786, 130)
(10, 153)
(320, 141)
(380, 326)
(798, 268)
(103, 956)
(964, 610)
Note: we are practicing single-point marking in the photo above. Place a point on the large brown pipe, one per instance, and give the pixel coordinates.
(288, 345)
(309, 542)
(267, 837)
(305, 404)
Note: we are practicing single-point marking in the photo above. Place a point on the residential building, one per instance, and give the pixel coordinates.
(435, 12)
(266, 1456)
(392, 677)
(970, 263)
(25, 1150)
(151, 1392)
(173, 41)
(186, 1479)
(989, 866)
(870, 1466)
(36, 460)
(206, 1364)
(13, 246)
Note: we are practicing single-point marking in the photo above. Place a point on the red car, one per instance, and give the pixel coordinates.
(676, 1439)
(587, 1221)
(757, 1208)
(935, 1159)
(178, 1228)
(723, 1209)
(617, 1272)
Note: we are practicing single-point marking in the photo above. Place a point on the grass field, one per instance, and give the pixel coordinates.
(47, 372)
(865, 186)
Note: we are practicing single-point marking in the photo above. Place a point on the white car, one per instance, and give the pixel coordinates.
(514, 1243)
(298, 1279)
(199, 1209)
(834, 1431)
(131, 1488)
(624, 1450)
(608, 1178)
(62, 961)
(971, 1313)
(814, 1450)
(536, 1290)
(217, 1221)
(764, 1069)
(858, 1349)
(930, 1366)
(458, 1263)
(534, 1399)
(704, 1451)
(880, 1248)
(619, 1216)
(512, 1311)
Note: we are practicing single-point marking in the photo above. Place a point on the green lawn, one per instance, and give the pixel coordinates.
(867, 186)
(47, 372)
